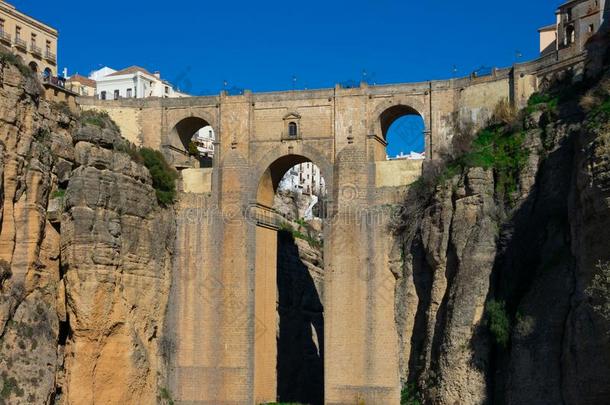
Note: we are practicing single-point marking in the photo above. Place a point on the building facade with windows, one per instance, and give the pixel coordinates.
(81, 85)
(204, 141)
(132, 82)
(576, 22)
(30, 39)
(304, 178)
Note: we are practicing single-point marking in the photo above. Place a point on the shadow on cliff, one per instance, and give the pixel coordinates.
(300, 343)
(537, 271)
(550, 352)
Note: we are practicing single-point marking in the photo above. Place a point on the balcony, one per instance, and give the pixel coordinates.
(50, 56)
(5, 37)
(55, 81)
(36, 50)
(21, 44)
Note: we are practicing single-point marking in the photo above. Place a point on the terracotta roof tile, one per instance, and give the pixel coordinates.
(83, 80)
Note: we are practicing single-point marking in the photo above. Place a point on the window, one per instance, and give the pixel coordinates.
(33, 40)
(117, 94)
(1, 25)
(569, 14)
(591, 28)
(128, 93)
(17, 32)
(103, 95)
(292, 129)
(570, 35)
(48, 47)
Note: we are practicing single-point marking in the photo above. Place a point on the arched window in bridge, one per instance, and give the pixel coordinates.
(570, 35)
(293, 129)
(191, 144)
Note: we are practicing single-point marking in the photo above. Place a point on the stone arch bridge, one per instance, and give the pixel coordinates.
(222, 318)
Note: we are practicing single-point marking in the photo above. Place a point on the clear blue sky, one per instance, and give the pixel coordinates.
(260, 45)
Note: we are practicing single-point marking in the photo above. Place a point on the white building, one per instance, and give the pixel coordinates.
(409, 156)
(204, 140)
(132, 82)
(304, 178)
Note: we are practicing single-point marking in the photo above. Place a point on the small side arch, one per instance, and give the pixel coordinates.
(190, 143)
(390, 130)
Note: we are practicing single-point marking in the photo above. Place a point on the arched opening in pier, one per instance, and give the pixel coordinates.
(289, 352)
(191, 144)
(403, 129)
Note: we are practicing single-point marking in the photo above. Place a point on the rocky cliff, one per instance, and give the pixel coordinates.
(499, 251)
(85, 254)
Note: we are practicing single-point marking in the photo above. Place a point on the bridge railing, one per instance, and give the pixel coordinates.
(179, 158)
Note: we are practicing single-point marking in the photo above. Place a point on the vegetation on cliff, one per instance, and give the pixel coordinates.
(163, 175)
(599, 290)
(505, 237)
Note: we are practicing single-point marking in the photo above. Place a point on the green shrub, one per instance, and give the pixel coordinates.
(165, 396)
(536, 100)
(163, 175)
(498, 149)
(192, 149)
(409, 395)
(498, 322)
(130, 149)
(7, 57)
(62, 107)
(10, 386)
(59, 193)
(312, 241)
(42, 135)
(99, 119)
(599, 290)
(599, 115)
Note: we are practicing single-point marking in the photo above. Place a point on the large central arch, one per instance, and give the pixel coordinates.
(270, 171)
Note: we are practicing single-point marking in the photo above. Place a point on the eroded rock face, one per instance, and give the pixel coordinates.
(85, 255)
(29, 245)
(116, 250)
(537, 256)
(446, 280)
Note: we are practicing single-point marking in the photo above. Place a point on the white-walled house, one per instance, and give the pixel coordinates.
(304, 178)
(204, 140)
(132, 82)
(103, 72)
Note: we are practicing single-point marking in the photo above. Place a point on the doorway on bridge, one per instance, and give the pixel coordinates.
(191, 144)
(299, 197)
(403, 130)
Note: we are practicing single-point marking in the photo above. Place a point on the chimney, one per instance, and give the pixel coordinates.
(157, 74)
(65, 73)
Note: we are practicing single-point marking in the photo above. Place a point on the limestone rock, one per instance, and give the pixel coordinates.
(84, 272)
